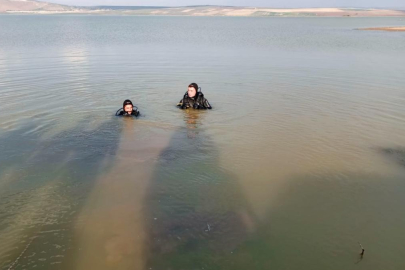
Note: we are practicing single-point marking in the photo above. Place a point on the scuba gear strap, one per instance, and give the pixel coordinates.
(122, 112)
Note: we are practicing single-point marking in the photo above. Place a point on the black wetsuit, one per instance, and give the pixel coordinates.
(198, 102)
(121, 112)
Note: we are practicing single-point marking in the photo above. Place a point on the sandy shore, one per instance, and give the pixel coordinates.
(391, 29)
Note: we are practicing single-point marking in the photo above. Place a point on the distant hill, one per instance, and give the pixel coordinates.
(10, 6)
(125, 7)
(38, 7)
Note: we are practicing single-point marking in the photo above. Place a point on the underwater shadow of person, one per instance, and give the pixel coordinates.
(196, 214)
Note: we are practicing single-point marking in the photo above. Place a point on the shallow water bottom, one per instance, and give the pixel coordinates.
(300, 161)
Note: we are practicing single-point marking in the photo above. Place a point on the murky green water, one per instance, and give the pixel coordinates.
(301, 158)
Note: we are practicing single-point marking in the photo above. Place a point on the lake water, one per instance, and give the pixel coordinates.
(301, 159)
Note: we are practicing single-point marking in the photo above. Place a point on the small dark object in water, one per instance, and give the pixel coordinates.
(362, 250)
(397, 154)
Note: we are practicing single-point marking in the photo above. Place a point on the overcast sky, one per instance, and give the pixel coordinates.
(257, 3)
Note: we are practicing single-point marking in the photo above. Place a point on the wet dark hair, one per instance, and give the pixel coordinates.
(194, 85)
(127, 102)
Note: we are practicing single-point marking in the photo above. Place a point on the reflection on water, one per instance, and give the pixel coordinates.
(301, 158)
(193, 120)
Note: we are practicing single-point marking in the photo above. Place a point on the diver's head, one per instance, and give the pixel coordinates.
(127, 106)
(192, 90)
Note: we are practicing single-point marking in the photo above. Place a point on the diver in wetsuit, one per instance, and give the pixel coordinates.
(128, 109)
(194, 99)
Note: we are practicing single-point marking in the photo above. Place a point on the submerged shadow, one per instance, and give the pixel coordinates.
(195, 211)
(396, 154)
(44, 181)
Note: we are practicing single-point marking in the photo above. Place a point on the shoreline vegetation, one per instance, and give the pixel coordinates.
(389, 29)
(37, 7)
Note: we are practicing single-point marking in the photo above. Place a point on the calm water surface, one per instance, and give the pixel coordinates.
(302, 158)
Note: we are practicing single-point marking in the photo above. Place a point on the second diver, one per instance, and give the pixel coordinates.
(194, 99)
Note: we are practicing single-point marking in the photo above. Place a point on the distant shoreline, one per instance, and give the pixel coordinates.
(389, 29)
(103, 13)
(43, 8)
(12, 13)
